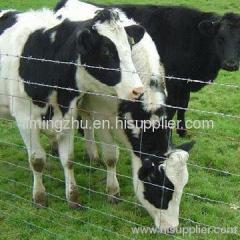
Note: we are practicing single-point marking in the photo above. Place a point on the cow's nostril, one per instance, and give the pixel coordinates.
(136, 92)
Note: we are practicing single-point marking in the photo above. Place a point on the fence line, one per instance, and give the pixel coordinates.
(115, 97)
(120, 175)
(210, 82)
(230, 205)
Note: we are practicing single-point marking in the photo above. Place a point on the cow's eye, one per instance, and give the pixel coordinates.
(106, 52)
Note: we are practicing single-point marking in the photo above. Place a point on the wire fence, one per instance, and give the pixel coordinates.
(232, 207)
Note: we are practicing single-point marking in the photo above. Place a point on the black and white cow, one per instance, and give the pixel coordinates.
(161, 165)
(36, 90)
(192, 44)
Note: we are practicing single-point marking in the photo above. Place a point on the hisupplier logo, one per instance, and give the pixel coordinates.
(187, 230)
(152, 125)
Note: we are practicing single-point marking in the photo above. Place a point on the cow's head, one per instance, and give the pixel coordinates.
(106, 44)
(159, 169)
(226, 34)
(159, 186)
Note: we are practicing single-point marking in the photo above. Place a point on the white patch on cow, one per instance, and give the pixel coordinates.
(53, 37)
(77, 11)
(153, 99)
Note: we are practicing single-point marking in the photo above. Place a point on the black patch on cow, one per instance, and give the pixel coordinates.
(49, 114)
(135, 33)
(158, 189)
(104, 54)
(8, 20)
(60, 5)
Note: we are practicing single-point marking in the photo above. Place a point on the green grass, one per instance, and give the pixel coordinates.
(217, 148)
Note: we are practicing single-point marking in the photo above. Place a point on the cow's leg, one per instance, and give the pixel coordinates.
(182, 131)
(66, 154)
(37, 160)
(90, 144)
(110, 154)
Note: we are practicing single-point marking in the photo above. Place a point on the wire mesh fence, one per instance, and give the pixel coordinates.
(14, 192)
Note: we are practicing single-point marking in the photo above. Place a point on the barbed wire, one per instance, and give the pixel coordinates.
(210, 82)
(114, 97)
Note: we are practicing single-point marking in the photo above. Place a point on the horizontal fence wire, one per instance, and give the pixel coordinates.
(14, 206)
(220, 114)
(30, 58)
(224, 172)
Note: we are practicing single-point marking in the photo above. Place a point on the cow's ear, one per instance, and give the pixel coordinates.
(135, 33)
(209, 27)
(86, 41)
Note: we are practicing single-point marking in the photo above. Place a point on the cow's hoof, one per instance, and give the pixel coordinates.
(182, 132)
(40, 200)
(114, 199)
(74, 202)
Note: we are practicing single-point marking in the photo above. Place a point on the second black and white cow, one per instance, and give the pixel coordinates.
(159, 172)
(33, 91)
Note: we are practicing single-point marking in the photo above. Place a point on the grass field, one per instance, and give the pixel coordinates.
(215, 148)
